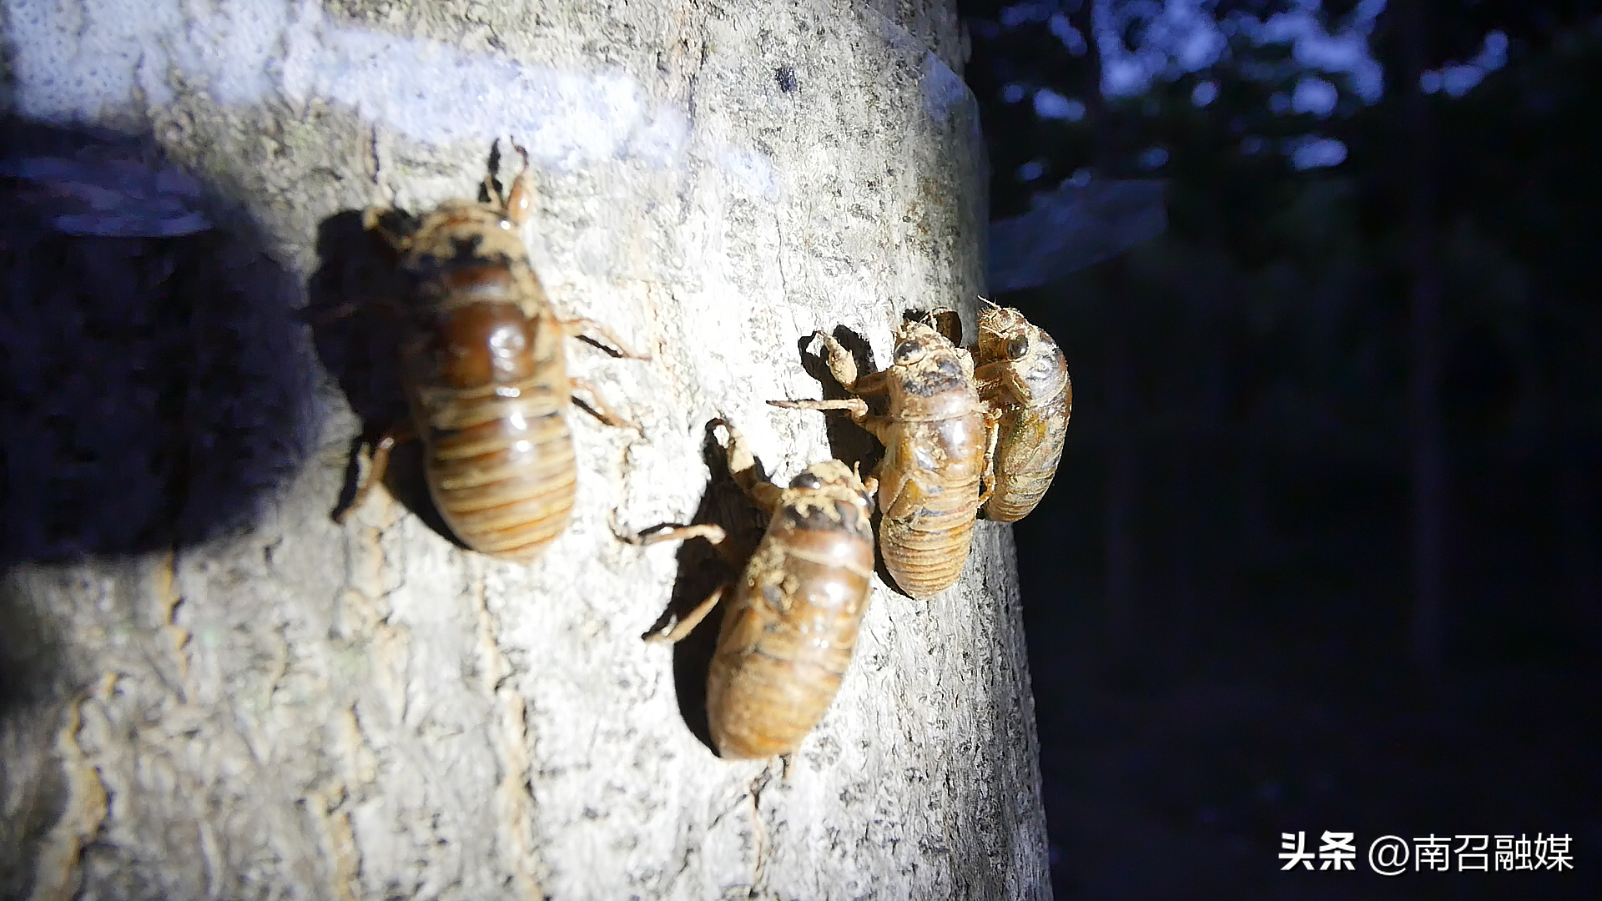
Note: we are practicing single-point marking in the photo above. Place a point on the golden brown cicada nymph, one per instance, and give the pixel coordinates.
(935, 436)
(791, 624)
(485, 374)
(1023, 378)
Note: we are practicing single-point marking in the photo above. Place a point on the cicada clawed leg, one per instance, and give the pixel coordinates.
(597, 406)
(589, 328)
(685, 626)
(987, 483)
(747, 472)
(373, 221)
(515, 203)
(377, 465)
(520, 199)
(902, 497)
(843, 367)
(840, 362)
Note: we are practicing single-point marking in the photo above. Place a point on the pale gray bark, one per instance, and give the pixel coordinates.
(297, 709)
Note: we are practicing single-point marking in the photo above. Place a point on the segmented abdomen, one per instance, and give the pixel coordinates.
(786, 642)
(925, 553)
(1027, 456)
(926, 549)
(500, 465)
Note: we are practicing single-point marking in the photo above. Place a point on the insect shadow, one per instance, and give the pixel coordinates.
(156, 385)
(848, 442)
(701, 569)
(355, 305)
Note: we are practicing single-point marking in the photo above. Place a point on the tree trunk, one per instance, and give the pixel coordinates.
(298, 709)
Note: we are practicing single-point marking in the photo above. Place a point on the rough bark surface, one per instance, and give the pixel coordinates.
(296, 709)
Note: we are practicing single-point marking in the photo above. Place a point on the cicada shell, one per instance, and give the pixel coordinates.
(935, 434)
(1022, 377)
(791, 624)
(485, 374)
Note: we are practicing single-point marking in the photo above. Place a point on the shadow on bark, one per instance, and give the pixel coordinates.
(353, 301)
(848, 442)
(701, 570)
(32, 662)
(155, 385)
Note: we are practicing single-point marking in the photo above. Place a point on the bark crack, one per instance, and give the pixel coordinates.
(61, 850)
(778, 261)
(514, 797)
(375, 160)
(168, 599)
(759, 832)
(684, 80)
(339, 836)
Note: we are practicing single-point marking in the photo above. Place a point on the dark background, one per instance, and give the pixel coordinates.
(1322, 551)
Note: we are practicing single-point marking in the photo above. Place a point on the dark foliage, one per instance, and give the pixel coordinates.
(1218, 588)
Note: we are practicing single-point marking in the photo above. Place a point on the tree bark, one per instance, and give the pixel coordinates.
(298, 709)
